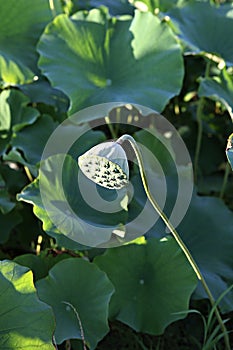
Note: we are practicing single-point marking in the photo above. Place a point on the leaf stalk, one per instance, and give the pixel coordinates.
(175, 234)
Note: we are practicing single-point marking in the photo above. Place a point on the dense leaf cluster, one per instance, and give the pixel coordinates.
(56, 59)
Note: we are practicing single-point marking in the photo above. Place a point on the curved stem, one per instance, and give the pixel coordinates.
(224, 184)
(174, 233)
(199, 137)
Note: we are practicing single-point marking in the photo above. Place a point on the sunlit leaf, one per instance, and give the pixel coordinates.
(25, 321)
(21, 26)
(81, 58)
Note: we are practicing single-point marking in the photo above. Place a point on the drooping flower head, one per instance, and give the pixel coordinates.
(106, 164)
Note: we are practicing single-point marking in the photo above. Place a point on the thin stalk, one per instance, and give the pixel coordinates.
(52, 8)
(27, 171)
(111, 129)
(200, 108)
(79, 321)
(224, 184)
(199, 137)
(174, 233)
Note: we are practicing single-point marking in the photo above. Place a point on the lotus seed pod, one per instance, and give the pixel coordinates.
(106, 164)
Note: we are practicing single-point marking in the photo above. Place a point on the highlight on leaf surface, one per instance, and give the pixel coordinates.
(106, 164)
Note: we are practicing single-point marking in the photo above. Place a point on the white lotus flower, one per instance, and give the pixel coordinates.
(106, 164)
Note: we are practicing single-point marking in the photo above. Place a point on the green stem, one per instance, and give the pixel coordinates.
(52, 8)
(200, 108)
(111, 129)
(199, 137)
(224, 184)
(174, 233)
(79, 321)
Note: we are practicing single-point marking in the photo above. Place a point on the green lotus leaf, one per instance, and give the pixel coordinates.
(32, 139)
(209, 241)
(41, 91)
(155, 5)
(204, 28)
(25, 321)
(59, 203)
(219, 88)
(135, 60)
(21, 26)
(31, 194)
(6, 204)
(153, 282)
(40, 264)
(8, 222)
(76, 300)
(115, 7)
(15, 114)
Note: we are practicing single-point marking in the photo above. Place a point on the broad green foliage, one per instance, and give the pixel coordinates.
(204, 28)
(15, 114)
(68, 283)
(139, 273)
(115, 7)
(103, 60)
(219, 88)
(21, 27)
(119, 58)
(25, 321)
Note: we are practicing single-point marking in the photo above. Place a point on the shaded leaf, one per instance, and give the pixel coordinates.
(115, 7)
(41, 91)
(153, 281)
(6, 204)
(219, 88)
(204, 28)
(155, 5)
(15, 114)
(68, 283)
(208, 239)
(8, 222)
(32, 139)
(66, 211)
(40, 264)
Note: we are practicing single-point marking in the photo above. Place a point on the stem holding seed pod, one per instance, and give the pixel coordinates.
(107, 165)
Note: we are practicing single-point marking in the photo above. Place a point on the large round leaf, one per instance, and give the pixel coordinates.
(97, 60)
(78, 293)
(60, 204)
(208, 238)
(204, 27)
(21, 26)
(25, 321)
(153, 282)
